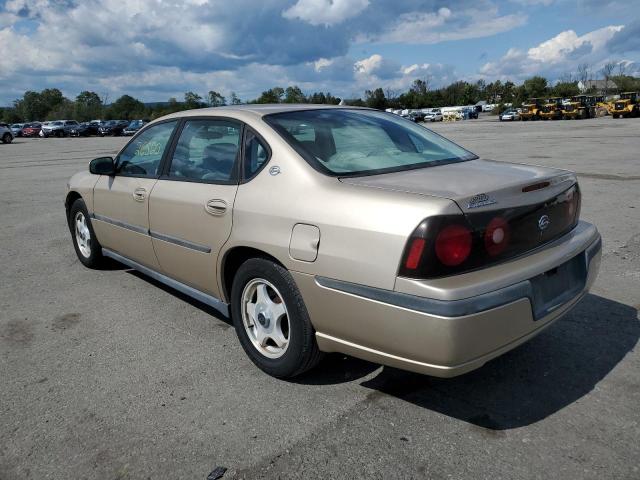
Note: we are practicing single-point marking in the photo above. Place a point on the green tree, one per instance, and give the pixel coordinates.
(126, 108)
(273, 95)
(294, 95)
(375, 99)
(536, 87)
(215, 99)
(566, 89)
(192, 100)
(88, 106)
(235, 100)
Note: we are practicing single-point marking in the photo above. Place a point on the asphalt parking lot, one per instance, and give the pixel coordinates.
(106, 374)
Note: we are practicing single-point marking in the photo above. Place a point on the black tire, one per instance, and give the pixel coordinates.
(6, 138)
(95, 259)
(302, 352)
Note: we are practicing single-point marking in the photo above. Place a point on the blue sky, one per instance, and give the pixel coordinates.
(156, 49)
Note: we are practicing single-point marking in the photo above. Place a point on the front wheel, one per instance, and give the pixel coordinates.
(84, 238)
(6, 138)
(271, 320)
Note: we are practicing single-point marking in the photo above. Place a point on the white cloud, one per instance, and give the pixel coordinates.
(559, 55)
(558, 48)
(325, 12)
(446, 24)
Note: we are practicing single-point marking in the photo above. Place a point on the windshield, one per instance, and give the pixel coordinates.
(345, 142)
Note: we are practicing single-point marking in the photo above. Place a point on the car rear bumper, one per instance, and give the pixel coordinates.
(439, 337)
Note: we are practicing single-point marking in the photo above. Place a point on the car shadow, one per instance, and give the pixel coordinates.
(532, 382)
(185, 298)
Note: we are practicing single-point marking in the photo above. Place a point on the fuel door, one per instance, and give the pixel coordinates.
(305, 240)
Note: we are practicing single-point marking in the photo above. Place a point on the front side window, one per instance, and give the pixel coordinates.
(143, 155)
(348, 142)
(207, 151)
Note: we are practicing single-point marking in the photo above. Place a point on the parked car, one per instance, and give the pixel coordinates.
(112, 127)
(85, 129)
(31, 129)
(416, 117)
(509, 115)
(435, 115)
(53, 129)
(5, 133)
(69, 125)
(469, 113)
(133, 127)
(338, 229)
(16, 129)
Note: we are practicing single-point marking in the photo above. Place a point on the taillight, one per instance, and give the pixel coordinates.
(497, 236)
(573, 203)
(444, 245)
(415, 253)
(453, 245)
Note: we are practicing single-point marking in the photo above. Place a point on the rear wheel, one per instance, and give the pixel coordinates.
(6, 138)
(85, 243)
(271, 320)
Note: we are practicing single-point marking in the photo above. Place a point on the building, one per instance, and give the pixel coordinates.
(600, 86)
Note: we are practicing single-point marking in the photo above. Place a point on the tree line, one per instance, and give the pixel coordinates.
(50, 104)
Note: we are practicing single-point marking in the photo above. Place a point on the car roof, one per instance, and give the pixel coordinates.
(256, 110)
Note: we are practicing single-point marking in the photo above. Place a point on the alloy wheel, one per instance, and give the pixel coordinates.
(265, 318)
(83, 234)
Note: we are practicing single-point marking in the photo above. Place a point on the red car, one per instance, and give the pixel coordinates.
(31, 129)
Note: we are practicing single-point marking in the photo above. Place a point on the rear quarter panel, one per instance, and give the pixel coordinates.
(363, 230)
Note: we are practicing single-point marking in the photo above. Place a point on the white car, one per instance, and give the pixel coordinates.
(434, 115)
(509, 116)
(5, 133)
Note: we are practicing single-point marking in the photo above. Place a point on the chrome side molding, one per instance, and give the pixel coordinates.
(157, 235)
(205, 298)
(179, 241)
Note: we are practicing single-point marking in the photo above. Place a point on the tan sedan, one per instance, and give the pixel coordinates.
(329, 229)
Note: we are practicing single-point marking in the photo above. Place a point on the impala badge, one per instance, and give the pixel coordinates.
(275, 170)
(544, 222)
(480, 200)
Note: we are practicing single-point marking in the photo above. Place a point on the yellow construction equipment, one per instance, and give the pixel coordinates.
(602, 106)
(552, 109)
(627, 106)
(580, 107)
(531, 109)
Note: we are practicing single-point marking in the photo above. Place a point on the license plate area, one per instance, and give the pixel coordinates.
(557, 286)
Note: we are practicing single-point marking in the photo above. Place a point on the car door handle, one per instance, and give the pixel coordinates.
(216, 207)
(139, 194)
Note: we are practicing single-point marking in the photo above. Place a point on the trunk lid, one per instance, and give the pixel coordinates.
(476, 185)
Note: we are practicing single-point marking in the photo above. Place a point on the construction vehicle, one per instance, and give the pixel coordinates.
(628, 105)
(551, 109)
(580, 107)
(531, 109)
(602, 106)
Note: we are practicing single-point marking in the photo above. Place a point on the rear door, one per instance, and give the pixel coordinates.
(121, 202)
(190, 208)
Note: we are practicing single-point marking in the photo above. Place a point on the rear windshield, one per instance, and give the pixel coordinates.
(345, 142)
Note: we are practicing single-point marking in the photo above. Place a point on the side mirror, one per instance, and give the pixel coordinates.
(102, 166)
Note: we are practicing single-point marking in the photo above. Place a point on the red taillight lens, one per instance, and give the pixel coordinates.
(497, 236)
(415, 253)
(453, 245)
(573, 204)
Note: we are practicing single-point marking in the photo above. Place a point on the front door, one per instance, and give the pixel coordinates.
(121, 202)
(191, 206)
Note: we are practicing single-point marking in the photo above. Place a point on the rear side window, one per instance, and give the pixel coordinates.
(207, 151)
(143, 155)
(255, 154)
